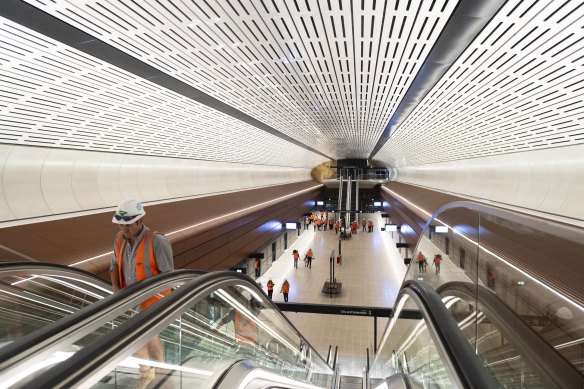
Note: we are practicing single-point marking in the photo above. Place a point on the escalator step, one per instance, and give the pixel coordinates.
(348, 382)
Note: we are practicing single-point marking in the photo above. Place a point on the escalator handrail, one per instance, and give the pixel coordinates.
(99, 358)
(465, 365)
(65, 331)
(6, 268)
(557, 370)
(237, 375)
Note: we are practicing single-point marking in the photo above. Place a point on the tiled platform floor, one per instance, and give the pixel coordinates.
(371, 273)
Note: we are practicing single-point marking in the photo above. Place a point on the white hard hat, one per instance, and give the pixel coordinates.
(128, 212)
(564, 313)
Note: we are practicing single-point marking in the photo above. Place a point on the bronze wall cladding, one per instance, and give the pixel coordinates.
(228, 242)
(403, 213)
(556, 260)
(71, 240)
(427, 199)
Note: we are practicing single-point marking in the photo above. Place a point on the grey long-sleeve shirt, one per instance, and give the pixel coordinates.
(162, 253)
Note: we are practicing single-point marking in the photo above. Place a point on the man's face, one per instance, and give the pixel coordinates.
(131, 231)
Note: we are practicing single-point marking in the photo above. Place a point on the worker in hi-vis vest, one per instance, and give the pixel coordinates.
(140, 253)
(246, 331)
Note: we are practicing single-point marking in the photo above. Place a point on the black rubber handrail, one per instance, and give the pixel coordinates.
(37, 345)
(235, 375)
(98, 358)
(555, 369)
(465, 364)
(30, 268)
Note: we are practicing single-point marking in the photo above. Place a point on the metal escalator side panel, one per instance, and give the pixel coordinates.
(554, 369)
(244, 374)
(184, 316)
(435, 332)
(32, 268)
(33, 295)
(35, 348)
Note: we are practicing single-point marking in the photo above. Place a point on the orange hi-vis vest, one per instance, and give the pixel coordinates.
(246, 331)
(285, 287)
(144, 269)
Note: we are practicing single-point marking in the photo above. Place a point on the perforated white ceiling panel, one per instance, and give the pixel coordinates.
(326, 73)
(55, 96)
(518, 87)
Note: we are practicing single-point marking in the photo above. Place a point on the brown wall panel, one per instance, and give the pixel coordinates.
(403, 213)
(556, 260)
(235, 241)
(68, 241)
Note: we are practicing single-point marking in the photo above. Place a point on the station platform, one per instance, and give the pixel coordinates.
(371, 273)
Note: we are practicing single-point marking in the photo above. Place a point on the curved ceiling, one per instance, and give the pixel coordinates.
(326, 74)
(292, 83)
(518, 87)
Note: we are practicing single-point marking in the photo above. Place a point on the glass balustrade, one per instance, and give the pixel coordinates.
(231, 324)
(409, 348)
(472, 253)
(58, 305)
(31, 299)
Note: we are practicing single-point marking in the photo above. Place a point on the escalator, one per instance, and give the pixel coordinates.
(196, 325)
(202, 349)
(427, 349)
(93, 346)
(489, 336)
(33, 295)
(507, 344)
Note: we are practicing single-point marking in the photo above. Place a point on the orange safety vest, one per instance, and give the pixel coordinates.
(285, 287)
(141, 270)
(270, 286)
(246, 331)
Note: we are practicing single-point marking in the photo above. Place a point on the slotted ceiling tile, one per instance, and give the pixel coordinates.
(519, 86)
(328, 74)
(54, 96)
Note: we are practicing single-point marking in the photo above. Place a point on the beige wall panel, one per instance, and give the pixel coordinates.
(552, 191)
(147, 179)
(550, 180)
(5, 212)
(159, 168)
(210, 178)
(128, 177)
(172, 177)
(232, 175)
(22, 182)
(572, 176)
(108, 178)
(184, 185)
(39, 182)
(85, 180)
(57, 181)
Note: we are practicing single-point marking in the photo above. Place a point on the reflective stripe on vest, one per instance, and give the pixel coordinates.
(246, 331)
(145, 263)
